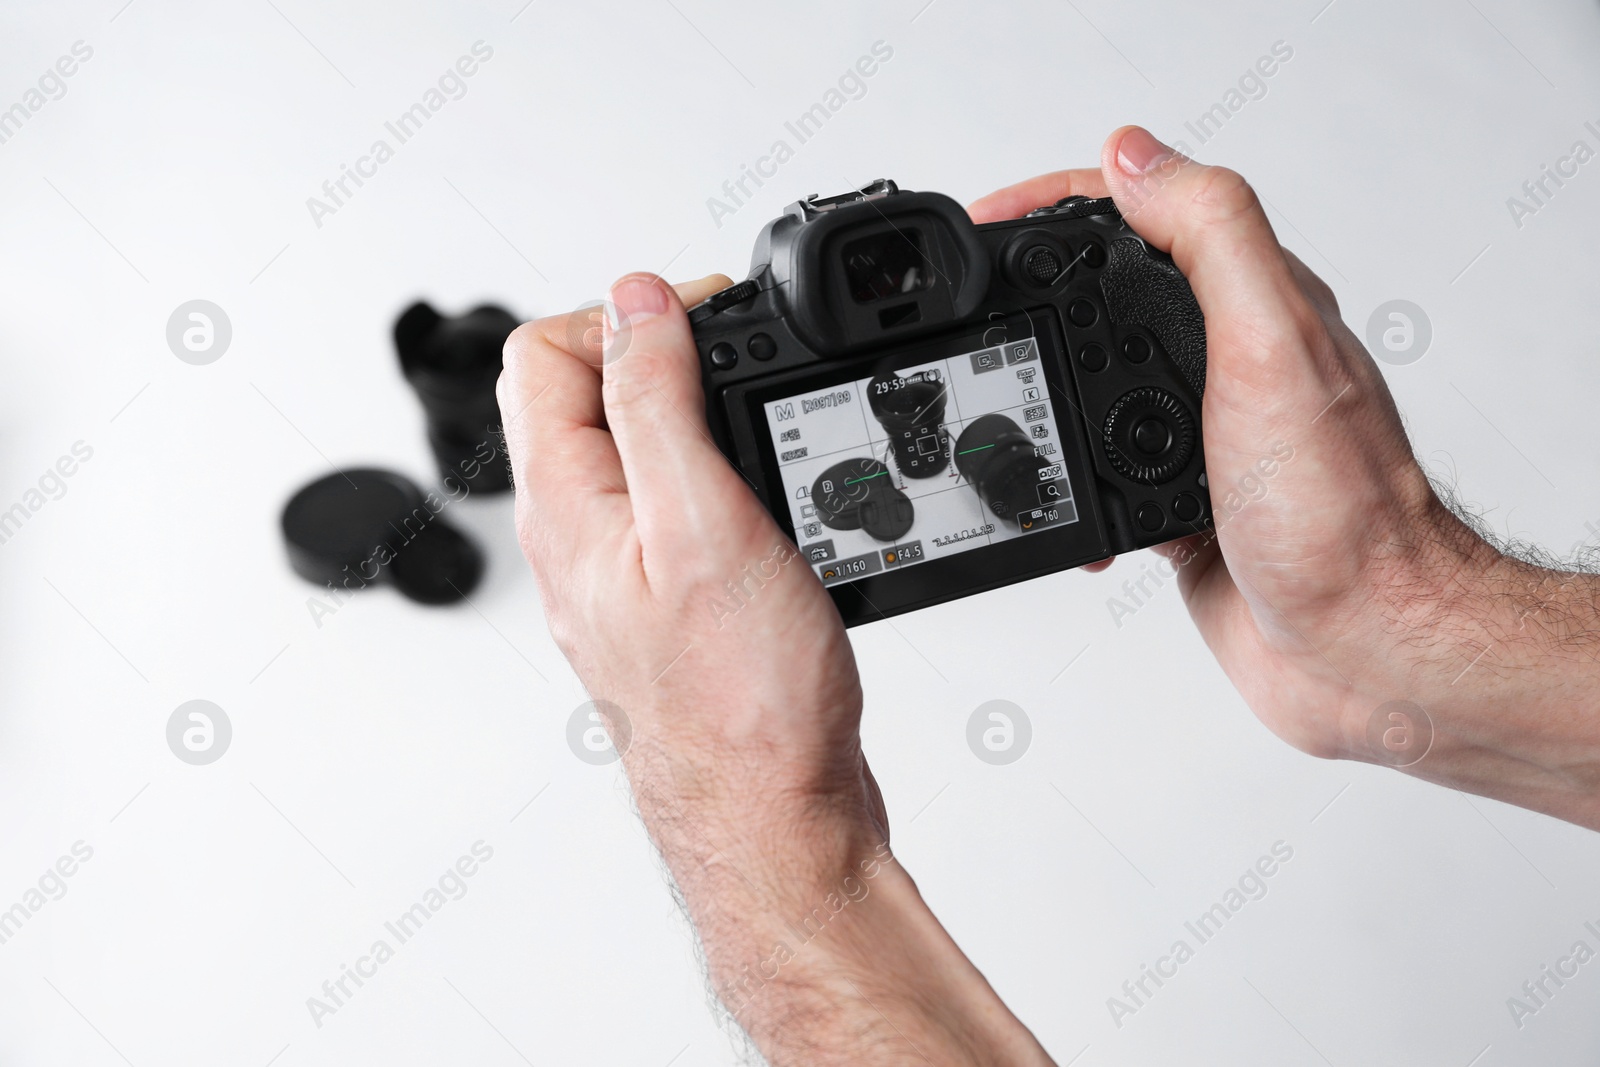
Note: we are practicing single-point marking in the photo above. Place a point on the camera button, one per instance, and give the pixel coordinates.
(820, 552)
(1093, 255)
(723, 355)
(1083, 313)
(1041, 265)
(1152, 437)
(1136, 349)
(762, 347)
(1093, 358)
(1151, 517)
(1186, 507)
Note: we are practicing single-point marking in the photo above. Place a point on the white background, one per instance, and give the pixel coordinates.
(371, 752)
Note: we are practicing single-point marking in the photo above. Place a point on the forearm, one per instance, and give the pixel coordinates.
(1505, 659)
(819, 946)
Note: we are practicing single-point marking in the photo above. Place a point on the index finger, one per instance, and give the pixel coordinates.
(570, 485)
(1017, 200)
(563, 462)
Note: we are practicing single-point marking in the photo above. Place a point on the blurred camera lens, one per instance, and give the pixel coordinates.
(453, 364)
(997, 459)
(911, 411)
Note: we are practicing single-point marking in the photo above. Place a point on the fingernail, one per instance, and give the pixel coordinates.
(1139, 151)
(639, 298)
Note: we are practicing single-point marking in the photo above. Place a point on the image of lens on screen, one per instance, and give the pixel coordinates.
(911, 410)
(998, 460)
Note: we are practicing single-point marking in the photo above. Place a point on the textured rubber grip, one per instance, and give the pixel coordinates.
(1144, 288)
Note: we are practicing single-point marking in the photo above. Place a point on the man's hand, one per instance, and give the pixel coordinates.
(679, 602)
(1335, 584)
(1337, 588)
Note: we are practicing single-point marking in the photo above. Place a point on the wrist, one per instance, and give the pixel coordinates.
(858, 962)
(817, 942)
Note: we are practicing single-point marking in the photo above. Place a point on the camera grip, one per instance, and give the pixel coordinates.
(1143, 287)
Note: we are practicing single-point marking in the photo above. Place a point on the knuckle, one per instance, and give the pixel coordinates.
(524, 367)
(503, 389)
(1296, 330)
(1316, 289)
(519, 347)
(628, 383)
(1222, 196)
(633, 376)
(1312, 329)
(562, 632)
(1322, 295)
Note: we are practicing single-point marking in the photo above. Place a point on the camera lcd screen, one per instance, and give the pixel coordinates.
(921, 461)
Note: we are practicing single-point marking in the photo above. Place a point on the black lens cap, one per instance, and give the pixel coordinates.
(439, 566)
(365, 524)
(887, 514)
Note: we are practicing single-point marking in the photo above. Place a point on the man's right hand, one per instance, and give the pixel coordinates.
(1337, 582)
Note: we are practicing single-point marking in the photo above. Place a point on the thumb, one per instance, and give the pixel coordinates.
(1258, 319)
(686, 497)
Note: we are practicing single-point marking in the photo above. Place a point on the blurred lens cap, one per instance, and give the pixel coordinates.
(368, 523)
(438, 566)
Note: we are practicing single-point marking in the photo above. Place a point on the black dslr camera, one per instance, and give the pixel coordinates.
(933, 408)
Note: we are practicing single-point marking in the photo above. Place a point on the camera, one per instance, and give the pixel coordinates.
(933, 408)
